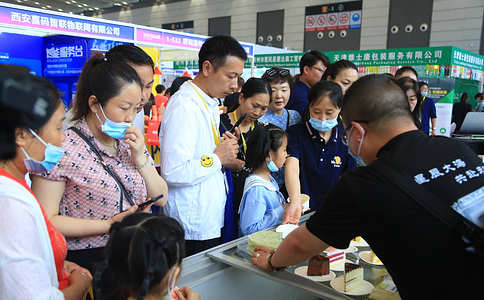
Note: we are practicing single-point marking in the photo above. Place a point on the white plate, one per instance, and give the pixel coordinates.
(302, 271)
(363, 243)
(364, 289)
(350, 249)
(286, 229)
(340, 267)
(366, 257)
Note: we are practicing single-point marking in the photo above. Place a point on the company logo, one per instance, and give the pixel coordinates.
(336, 161)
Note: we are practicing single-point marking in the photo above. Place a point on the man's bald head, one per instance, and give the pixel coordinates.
(378, 100)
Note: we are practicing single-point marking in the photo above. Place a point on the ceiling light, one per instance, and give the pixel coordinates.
(36, 3)
(90, 9)
(125, 3)
(96, 8)
(79, 5)
(70, 12)
(73, 1)
(117, 4)
(43, 7)
(68, 2)
(48, 6)
(60, 9)
(85, 5)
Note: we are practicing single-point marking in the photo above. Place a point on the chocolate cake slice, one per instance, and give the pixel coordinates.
(353, 276)
(318, 265)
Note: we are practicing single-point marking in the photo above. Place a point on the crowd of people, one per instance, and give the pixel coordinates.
(327, 134)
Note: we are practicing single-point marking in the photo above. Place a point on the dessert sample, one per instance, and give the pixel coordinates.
(318, 265)
(374, 258)
(269, 239)
(336, 257)
(353, 276)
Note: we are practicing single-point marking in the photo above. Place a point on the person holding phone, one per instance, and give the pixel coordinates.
(33, 251)
(82, 197)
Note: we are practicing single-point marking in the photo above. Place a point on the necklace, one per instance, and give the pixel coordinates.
(114, 146)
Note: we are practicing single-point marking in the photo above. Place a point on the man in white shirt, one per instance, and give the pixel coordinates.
(192, 151)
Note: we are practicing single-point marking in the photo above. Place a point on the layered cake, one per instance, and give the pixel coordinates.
(318, 265)
(353, 276)
(336, 257)
(374, 258)
(269, 239)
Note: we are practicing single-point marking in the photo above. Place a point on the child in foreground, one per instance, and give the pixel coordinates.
(143, 260)
(262, 204)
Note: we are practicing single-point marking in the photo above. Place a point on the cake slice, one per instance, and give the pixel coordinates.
(374, 258)
(353, 276)
(318, 265)
(336, 257)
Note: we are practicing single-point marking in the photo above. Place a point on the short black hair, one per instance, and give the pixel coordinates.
(404, 69)
(478, 95)
(421, 84)
(130, 54)
(321, 89)
(464, 97)
(337, 67)
(311, 58)
(276, 75)
(378, 100)
(160, 88)
(264, 139)
(255, 86)
(216, 50)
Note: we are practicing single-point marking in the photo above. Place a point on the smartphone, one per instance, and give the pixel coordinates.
(242, 117)
(143, 205)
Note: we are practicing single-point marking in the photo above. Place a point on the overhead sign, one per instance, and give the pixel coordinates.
(346, 15)
(65, 60)
(73, 25)
(186, 27)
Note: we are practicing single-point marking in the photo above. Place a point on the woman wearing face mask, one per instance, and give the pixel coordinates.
(410, 87)
(144, 257)
(106, 170)
(33, 252)
(317, 157)
(254, 99)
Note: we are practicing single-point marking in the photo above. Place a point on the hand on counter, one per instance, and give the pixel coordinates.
(259, 257)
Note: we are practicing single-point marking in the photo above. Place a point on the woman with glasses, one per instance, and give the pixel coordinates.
(317, 155)
(106, 170)
(281, 83)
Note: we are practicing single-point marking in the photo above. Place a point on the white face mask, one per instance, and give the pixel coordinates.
(168, 296)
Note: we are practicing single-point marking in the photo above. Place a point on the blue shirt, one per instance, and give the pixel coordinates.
(321, 163)
(428, 112)
(299, 97)
(281, 121)
(261, 206)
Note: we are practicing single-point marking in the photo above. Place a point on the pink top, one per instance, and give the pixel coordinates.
(90, 192)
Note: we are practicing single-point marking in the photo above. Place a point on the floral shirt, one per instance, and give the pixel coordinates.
(91, 193)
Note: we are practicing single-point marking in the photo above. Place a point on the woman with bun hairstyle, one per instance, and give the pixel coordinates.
(106, 170)
(143, 260)
(33, 251)
(262, 204)
(317, 155)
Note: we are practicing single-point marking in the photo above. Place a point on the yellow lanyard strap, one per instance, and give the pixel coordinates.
(215, 134)
(241, 135)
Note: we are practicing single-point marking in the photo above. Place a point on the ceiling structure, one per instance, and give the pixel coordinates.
(86, 7)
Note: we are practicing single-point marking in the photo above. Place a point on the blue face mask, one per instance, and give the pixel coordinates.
(357, 158)
(113, 129)
(424, 94)
(323, 126)
(271, 165)
(52, 155)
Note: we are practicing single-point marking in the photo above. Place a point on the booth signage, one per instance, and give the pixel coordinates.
(32, 19)
(183, 41)
(65, 60)
(336, 16)
(181, 65)
(149, 36)
(467, 59)
(290, 60)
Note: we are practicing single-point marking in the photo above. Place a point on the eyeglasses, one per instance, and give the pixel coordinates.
(344, 137)
(282, 72)
(319, 69)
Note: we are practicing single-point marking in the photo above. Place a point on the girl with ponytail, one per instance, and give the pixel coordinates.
(143, 260)
(262, 204)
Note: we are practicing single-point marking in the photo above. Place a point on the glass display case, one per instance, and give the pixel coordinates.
(227, 269)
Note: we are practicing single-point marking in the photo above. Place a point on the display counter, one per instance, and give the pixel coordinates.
(226, 272)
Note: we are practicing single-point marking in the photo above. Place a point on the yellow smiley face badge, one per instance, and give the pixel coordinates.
(206, 161)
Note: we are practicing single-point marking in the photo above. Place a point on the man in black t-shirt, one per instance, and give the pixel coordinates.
(426, 259)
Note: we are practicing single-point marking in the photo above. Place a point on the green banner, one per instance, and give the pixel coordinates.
(471, 87)
(467, 59)
(181, 65)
